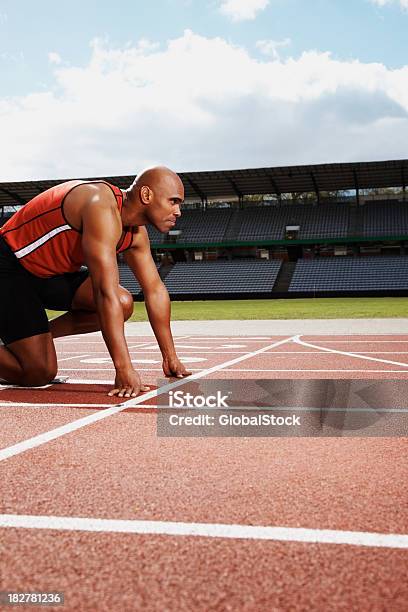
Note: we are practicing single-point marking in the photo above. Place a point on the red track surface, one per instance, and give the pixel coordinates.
(118, 468)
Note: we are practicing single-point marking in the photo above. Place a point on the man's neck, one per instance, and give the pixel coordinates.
(128, 204)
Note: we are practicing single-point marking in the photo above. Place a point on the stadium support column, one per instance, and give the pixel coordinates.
(237, 192)
(203, 196)
(275, 188)
(403, 183)
(316, 188)
(356, 187)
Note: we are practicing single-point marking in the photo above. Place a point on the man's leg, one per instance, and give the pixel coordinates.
(29, 362)
(83, 318)
(27, 354)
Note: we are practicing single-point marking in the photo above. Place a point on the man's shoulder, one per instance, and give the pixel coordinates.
(90, 200)
(93, 193)
(102, 188)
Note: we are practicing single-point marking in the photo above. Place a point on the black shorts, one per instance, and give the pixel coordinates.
(24, 297)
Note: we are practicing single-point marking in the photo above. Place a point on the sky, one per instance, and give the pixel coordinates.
(97, 88)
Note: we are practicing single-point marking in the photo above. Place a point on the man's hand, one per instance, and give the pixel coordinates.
(127, 383)
(172, 366)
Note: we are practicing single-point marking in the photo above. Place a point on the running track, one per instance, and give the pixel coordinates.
(94, 504)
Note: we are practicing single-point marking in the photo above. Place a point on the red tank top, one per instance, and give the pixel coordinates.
(42, 239)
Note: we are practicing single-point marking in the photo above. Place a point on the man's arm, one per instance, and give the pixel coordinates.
(157, 300)
(102, 228)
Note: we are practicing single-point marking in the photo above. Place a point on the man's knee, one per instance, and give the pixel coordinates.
(127, 304)
(37, 375)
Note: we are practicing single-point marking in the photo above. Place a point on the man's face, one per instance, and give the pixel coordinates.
(164, 208)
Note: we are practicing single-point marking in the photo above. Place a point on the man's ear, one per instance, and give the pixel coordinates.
(145, 194)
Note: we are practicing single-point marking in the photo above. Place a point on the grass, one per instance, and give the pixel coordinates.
(313, 308)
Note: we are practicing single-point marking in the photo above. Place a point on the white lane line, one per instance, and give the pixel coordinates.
(54, 405)
(88, 381)
(381, 352)
(247, 370)
(76, 356)
(363, 341)
(316, 370)
(266, 408)
(348, 354)
(214, 340)
(143, 360)
(108, 369)
(59, 408)
(317, 352)
(190, 346)
(107, 360)
(157, 350)
(233, 338)
(135, 352)
(143, 345)
(47, 436)
(241, 408)
(149, 347)
(5, 387)
(207, 530)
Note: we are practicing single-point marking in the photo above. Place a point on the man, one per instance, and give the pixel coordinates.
(42, 249)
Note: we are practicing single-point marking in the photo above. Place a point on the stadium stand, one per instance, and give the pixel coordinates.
(314, 221)
(385, 218)
(350, 274)
(258, 223)
(197, 227)
(127, 279)
(239, 276)
(155, 237)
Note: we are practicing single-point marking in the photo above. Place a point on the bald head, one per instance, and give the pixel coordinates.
(157, 194)
(158, 177)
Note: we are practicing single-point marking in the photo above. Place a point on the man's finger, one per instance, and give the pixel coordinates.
(182, 373)
(124, 391)
(113, 392)
(142, 388)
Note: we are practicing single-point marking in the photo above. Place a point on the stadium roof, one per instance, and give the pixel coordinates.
(227, 183)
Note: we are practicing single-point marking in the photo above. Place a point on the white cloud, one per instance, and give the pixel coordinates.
(242, 10)
(403, 3)
(145, 45)
(54, 58)
(200, 103)
(15, 58)
(270, 47)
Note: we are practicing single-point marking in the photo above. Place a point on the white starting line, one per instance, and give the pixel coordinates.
(207, 530)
